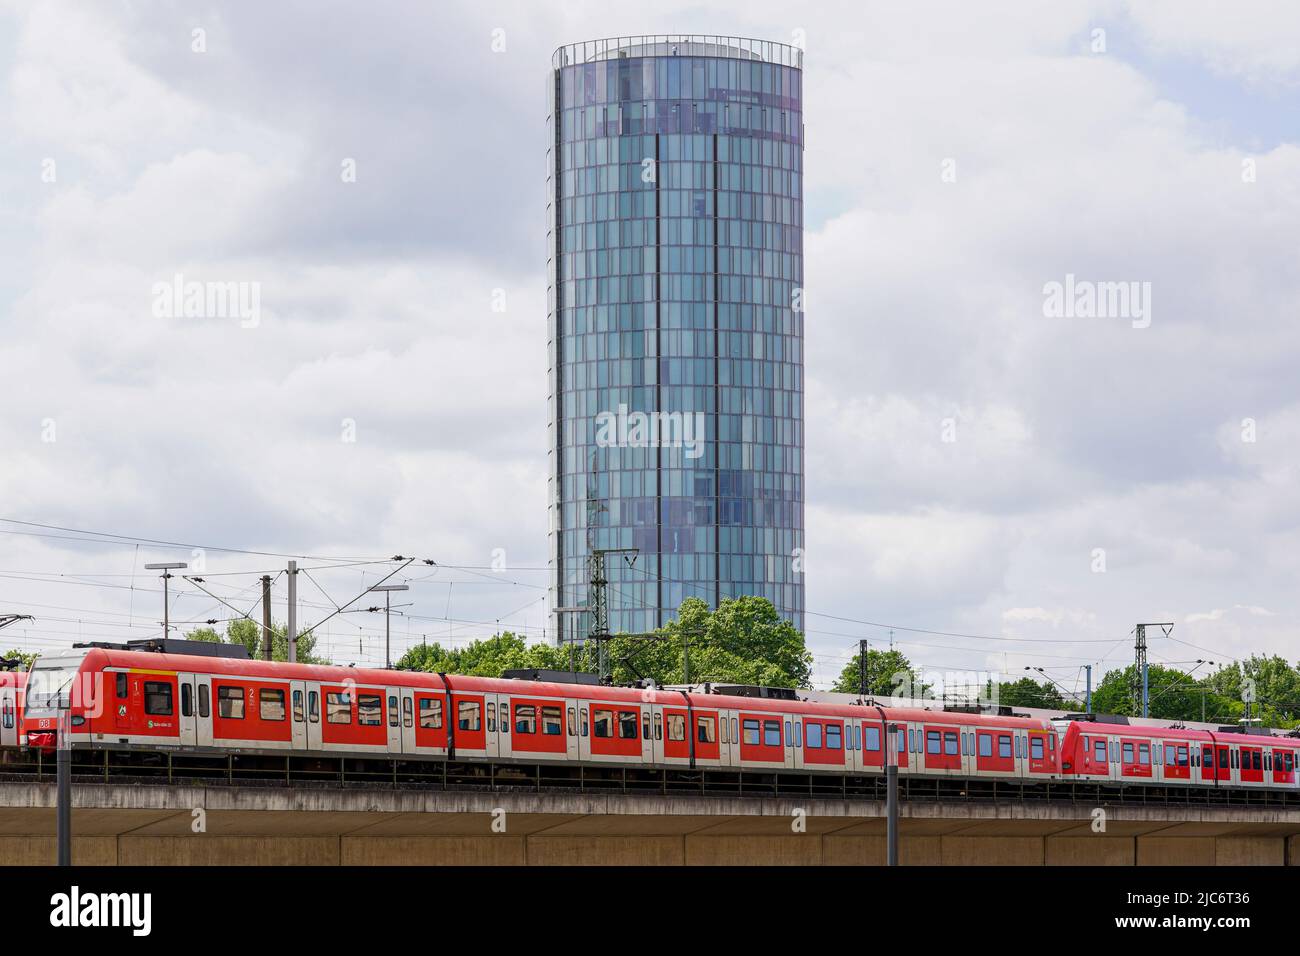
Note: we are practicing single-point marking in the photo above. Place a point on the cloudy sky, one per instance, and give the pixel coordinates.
(976, 464)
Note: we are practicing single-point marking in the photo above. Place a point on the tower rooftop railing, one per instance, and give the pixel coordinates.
(678, 44)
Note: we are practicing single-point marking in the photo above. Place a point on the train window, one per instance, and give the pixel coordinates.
(370, 710)
(726, 737)
(813, 739)
(1051, 742)
(950, 743)
(772, 733)
(1128, 753)
(735, 729)
(986, 745)
(430, 713)
(270, 703)
(659, 727)
(911, 741)
(902, 740)
(834, 737)
(1223, 758)
(1099, 751)
(187, 700)
(627, 724)
(871, 738)
(1208, 755)
(469, 715)
(7, 715)
(857, 736)
(704, 730)
(1182, 756)
(1144, 755)
(1170, 754)
(676, 727)
(313, 706)
(751, 732)
(573, 724)
(392, 710)
(789, 738)
(1288, 758)
(932, 742)
(408, 716)
(525, 719)
(1234, 759)
(158, 698)
(1256, 761)
(1268, 760)
(338, 708)
(297, 707)
(553, 721)
(602, 723)
(645, 726)
(230, 702)
(1004, 745)
(492, 716)
(798, 733)
(584, 721)
(120, 681)
(1114, 751)
(1036, 748)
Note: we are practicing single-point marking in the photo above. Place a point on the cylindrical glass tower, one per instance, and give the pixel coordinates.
(675, 214)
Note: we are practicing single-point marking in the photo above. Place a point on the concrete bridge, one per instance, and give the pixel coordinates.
(259, 826)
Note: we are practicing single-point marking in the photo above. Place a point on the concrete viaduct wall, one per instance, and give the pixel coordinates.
(257, 826)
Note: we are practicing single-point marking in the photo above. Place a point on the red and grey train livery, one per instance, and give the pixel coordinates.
(156, 701)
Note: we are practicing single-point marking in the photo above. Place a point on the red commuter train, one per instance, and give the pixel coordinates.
(156, 701)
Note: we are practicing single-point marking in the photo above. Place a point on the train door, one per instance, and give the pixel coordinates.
(496, 740)
(647, 737)
(8, 710)
(393, 718)
(298, 706)
(122, 701)
(572, 726)
(313, 717)
(203, 710)
(187, 724)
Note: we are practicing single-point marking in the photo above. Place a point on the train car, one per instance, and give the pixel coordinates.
(139, 699)
(1171, 756)
(133, 698)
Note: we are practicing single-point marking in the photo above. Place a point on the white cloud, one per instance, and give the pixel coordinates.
(926, 305)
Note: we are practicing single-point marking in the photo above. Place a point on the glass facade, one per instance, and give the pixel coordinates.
(675, 174)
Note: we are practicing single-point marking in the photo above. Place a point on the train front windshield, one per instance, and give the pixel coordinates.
(51, 685)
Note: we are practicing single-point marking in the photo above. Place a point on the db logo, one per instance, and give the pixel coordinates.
(121, 710)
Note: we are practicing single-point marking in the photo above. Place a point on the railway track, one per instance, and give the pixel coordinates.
(136, 767)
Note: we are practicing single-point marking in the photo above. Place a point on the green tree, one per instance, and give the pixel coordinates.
(249, 634)
(1172, 695)
(1027, 692)
(887, 671)
(744, 641)
(1276, 687)
(487, 657)
(25, 656)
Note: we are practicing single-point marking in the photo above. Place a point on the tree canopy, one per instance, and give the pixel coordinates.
(744, 641)
(249, 633)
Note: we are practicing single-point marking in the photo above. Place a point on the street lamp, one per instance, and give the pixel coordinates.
(388, 590)
(166, 567)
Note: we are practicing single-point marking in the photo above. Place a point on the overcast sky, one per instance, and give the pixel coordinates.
(974, 463)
